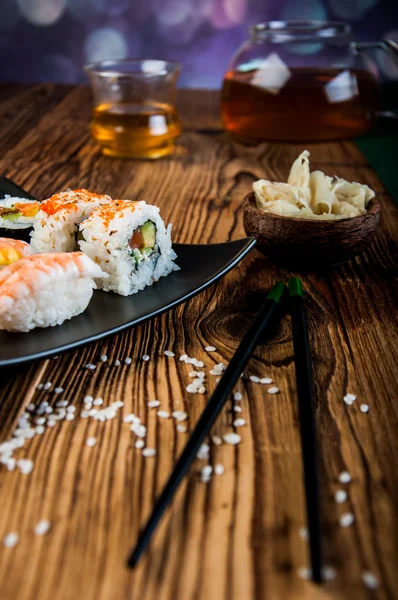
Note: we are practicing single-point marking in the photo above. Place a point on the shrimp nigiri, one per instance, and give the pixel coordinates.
(46, 289)
(13, 250)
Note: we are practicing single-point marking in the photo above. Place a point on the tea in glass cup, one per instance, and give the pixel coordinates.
(134, 114)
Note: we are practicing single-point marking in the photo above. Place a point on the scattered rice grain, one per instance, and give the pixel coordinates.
(303, 533)
(329, 573)
(370, 580)
(169, 353)
(217, 440)
(25, 465)
(344, 477)
(238, 396)
(145, 357)
(128, 360)
(61, 403)
(179, 415)
(239, 423)
(231, 438)
(273, 390)
(340, 496)
(117, 363)
(153, 403)
(103, 358)
(219, 469)
(254, 379)
(163, 414)
(205, 473)
(304, 573)
(346, 519)
(11, 539)
(364, 408)
(149, 452)
(210, 348)
(139, 444)
(349, 398)
(91, 441)
(203, 452)
(98, 402)
(181, 428)
(42, 527)
(58, 390)
(90, 366)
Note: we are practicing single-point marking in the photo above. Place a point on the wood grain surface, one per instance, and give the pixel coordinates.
(236, 537)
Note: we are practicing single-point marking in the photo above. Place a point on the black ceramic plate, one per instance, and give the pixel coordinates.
(108, 313)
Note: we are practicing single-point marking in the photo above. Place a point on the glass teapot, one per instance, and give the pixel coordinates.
(301, 81)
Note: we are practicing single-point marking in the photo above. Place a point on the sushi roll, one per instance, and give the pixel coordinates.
(56, 225)
(46, 289)
(17, 216)
(13, 250)
(130, 242)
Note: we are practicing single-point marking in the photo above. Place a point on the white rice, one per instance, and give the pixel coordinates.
(106, 241)
(42, 291)
(57, 232)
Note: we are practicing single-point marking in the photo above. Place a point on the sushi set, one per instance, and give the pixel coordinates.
(80, 242)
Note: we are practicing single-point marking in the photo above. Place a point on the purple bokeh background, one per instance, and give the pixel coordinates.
(51, 40)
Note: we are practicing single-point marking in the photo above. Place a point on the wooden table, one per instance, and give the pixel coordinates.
(237, 537)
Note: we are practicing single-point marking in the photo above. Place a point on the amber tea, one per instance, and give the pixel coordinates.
(313, 104)
(135, 130)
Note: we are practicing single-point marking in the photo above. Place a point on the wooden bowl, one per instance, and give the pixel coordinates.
(306, 243)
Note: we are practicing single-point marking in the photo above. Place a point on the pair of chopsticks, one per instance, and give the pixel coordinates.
(260, 326)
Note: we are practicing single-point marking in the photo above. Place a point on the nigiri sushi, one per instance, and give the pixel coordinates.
(56, 225)
(46, 289)
(13, 250)
(130, 242)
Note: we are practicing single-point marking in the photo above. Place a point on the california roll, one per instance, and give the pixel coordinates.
(130, 242)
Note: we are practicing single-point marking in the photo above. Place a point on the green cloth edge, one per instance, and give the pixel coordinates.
(381, 153)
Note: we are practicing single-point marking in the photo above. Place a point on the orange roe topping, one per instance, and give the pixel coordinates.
(107, 212)
(69, 200)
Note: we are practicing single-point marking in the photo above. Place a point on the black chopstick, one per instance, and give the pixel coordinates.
(210, 413)
(307, 424)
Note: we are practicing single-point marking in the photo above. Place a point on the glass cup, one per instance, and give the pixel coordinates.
(134, 114)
